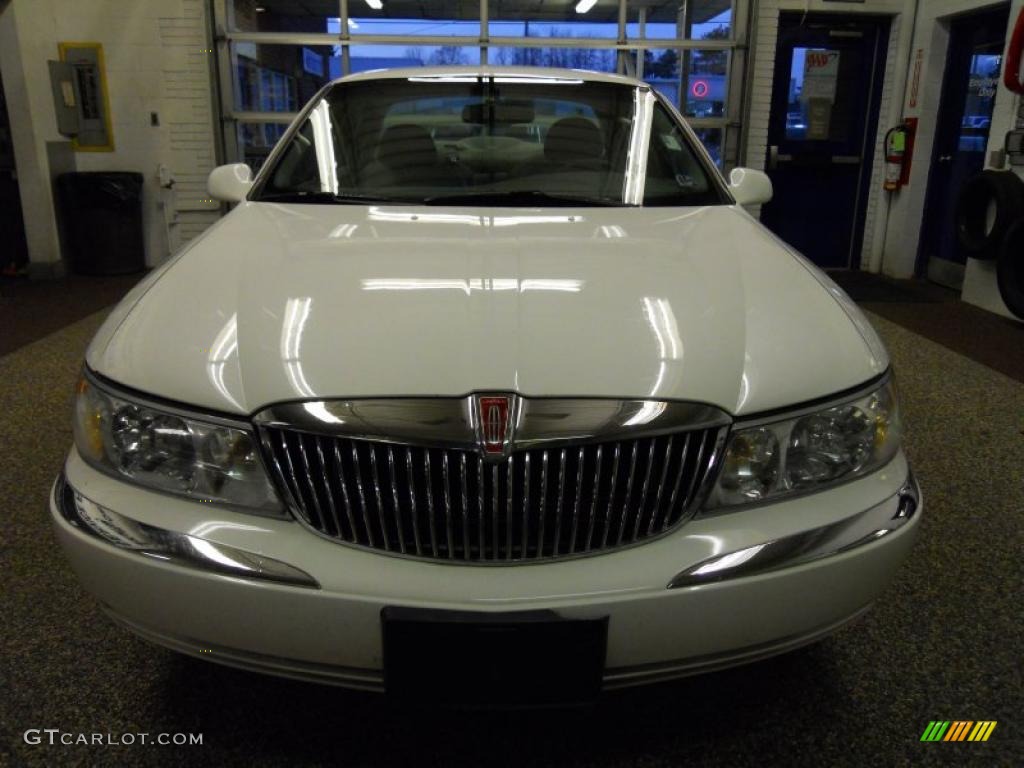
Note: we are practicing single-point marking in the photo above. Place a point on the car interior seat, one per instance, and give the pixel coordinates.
(407, 156)
(574, 142)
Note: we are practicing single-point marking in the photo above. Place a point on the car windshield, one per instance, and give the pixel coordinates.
(489, 140)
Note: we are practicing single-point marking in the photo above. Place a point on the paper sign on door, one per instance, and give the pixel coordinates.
(821, 71)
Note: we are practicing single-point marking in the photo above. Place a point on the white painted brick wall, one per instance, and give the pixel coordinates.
(766, 27)
(186, 101)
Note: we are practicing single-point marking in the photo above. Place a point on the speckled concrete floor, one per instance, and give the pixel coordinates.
(945, 642)
(32, 309)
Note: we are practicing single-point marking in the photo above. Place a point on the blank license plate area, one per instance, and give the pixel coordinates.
(466, 659)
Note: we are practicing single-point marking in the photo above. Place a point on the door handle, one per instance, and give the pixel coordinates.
(775, 157)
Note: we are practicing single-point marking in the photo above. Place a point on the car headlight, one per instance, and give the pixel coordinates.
(809, 451)
(171, 452)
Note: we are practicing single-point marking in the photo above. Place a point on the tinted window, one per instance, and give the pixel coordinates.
(485, 140)
(673, 170)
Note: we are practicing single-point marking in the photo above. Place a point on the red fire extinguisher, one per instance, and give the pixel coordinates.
(895, 154)
(1012, 74)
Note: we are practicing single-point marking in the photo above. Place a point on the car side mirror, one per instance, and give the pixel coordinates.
(230, 183)
(750, 187)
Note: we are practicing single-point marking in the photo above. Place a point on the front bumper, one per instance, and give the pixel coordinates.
(677, 605)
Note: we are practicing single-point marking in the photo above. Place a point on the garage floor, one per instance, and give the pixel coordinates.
(30, 310)
(944, 643)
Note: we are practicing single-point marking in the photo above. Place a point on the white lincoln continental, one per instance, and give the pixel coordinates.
(489, 389)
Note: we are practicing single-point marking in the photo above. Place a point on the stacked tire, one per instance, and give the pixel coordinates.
(990, 225)
(1010, 269)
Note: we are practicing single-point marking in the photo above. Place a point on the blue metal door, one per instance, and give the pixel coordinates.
(969, 86)
(822, 128)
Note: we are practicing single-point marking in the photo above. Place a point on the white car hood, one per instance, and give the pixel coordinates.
(280, 302)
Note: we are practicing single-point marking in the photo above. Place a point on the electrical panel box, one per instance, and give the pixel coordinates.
(89, 93)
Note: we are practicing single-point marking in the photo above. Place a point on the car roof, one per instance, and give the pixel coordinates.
(540, 73)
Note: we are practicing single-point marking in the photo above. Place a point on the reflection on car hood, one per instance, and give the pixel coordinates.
(279, 302)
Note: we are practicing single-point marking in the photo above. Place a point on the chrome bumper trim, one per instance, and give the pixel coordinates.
(806, 546)
(167, 546)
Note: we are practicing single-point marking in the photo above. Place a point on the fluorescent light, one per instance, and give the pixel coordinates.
(583, 5)
(375, 4)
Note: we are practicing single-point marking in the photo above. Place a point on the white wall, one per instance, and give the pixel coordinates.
(157, 60)
(29, 148)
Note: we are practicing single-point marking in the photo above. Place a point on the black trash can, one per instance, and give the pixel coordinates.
(102, 215)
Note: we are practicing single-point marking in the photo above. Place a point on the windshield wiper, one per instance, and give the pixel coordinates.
(329, 198)
(523, 197)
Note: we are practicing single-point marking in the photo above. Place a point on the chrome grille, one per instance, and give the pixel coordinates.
(448, 503)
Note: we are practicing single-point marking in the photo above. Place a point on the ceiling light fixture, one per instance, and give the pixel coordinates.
(585, 5)
(375, 4)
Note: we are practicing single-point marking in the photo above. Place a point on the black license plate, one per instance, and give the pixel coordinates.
(469, 659)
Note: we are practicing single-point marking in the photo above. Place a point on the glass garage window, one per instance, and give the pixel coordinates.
(285, 15)
(280, 78)
(680, 19)
(595, 59)
(255, 140)
(543, 18)
(412, 18)
(364, 57)
(696, 81)
(282, 74)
